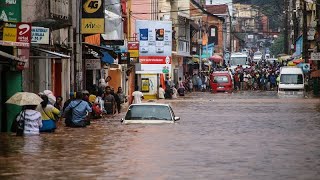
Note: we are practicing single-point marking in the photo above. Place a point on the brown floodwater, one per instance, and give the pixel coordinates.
(253, 135)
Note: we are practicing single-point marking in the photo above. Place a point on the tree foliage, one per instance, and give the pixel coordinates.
(271, 8)
(277, 47)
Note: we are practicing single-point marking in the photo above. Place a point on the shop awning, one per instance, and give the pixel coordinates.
(9, 56)
(52, 54)
(100, 49)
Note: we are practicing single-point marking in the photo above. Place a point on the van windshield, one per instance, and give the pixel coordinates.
(220, 79)
(238, 61)
(291, 79)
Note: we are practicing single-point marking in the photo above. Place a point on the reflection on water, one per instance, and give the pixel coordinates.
(218, 137)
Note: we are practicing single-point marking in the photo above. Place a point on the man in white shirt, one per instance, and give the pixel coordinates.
(161, 92)
(137, 96)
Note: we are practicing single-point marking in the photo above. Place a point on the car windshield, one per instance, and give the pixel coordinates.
(220, 79)
(257, 53)
(291, 79)
(148, 112)
(238, 61)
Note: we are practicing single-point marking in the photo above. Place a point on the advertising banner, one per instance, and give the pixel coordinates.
(40, 35)
(155, 45)
(10, 10)
(133, 49)
(92, 21)
(114, 22)
(15, 34)
(93, 64)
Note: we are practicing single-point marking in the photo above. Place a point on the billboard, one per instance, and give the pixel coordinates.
(10, 10)
(15, 34)
(114, 21)
(155, 45)
(40, 35)
(92, 21)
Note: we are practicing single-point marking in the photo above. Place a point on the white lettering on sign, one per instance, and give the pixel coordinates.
(11, 1)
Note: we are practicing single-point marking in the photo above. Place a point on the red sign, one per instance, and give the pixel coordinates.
(133, 45)
(24, 32)
(155, 60)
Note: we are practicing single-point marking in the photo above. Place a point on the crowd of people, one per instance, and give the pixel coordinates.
(262, 76)
(258, 76)
(78, 111)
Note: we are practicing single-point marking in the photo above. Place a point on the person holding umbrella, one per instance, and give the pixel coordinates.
(28, 121)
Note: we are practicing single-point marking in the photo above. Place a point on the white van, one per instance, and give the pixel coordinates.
(238, 58)
(291, 81)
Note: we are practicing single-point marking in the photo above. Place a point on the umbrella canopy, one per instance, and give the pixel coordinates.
(216, 58)
(297, 61)
(24, 98)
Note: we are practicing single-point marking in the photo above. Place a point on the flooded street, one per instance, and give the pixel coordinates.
(220, 136)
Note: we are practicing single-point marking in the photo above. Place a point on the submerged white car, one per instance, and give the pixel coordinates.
(149, 113)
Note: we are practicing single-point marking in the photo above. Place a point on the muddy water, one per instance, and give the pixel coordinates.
(238, 136)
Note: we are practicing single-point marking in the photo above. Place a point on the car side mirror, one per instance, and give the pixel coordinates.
(176, 118)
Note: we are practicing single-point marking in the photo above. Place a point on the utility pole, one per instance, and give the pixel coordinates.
(200, 42)
(78, 54)
(286, 32)
(305, 33)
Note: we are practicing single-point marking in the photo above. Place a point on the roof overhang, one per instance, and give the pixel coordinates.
(99, 48)
(9, 56)
(52, 54)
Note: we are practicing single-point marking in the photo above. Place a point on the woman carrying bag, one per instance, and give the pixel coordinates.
(28, 121)
(48, 113)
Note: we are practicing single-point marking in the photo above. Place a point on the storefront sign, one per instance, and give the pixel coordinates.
(92, 26)
(93, 64)
(92, 21)
(133, 49)
(10, 10)
(315, 56)
(15, 34)
(10, 34)
(155, 45)
(24, 32)
(40, 35)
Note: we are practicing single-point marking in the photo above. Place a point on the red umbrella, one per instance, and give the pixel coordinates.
(297, 61)
(216, 58)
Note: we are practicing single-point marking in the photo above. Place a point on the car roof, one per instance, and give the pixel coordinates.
(150, 104)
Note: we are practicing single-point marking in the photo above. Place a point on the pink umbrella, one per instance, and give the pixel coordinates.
(216, 58)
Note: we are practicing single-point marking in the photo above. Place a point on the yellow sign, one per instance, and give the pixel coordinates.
(10, 34)
(92, 6)
(134, 53)
(92, 25)
(145, 85)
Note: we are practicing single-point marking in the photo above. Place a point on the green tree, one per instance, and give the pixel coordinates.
(278, 46)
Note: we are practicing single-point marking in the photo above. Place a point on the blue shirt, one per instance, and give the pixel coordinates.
(78, 113)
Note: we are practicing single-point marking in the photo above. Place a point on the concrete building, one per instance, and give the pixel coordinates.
(49, 64)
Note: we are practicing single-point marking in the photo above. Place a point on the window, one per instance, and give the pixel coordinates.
(148, 112)
(220, 79)
(291, 79)
(213, 32)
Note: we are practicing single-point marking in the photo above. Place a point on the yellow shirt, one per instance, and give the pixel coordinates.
(49, 112)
